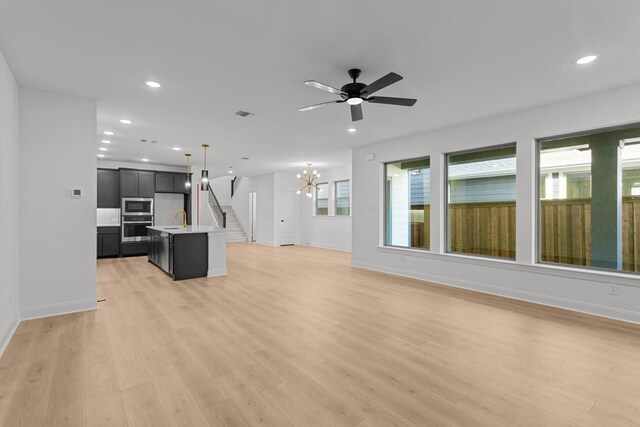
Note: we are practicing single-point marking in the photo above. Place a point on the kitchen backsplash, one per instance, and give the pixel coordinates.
(108, 217)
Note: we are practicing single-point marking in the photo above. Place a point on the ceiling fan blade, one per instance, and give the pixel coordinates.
(381, 83)
(407, 102)
(313, 107)
(324, 87)
(356, 112)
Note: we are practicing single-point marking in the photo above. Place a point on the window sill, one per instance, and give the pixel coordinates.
(619, 278)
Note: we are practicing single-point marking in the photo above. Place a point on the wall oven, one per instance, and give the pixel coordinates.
(134, 228)
(137, 206)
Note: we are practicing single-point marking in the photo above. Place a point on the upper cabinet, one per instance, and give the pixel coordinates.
(146, 183)
(135, 183)
(168, 182)
(108, 189)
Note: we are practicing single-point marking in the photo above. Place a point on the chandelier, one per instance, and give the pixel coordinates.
(309, 178)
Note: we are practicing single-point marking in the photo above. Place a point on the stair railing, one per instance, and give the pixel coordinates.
(221, 216)
(234, 184)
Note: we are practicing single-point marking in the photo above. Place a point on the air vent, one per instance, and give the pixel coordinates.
(244, 158)
(243, 113)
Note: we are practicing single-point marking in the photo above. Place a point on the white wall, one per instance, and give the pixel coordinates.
(331, 232)
(9, 217)
(264, 186)
(221, 187)
(288, 183)
(57, 256)
(564, 287)
(165, 206)
(240, 203)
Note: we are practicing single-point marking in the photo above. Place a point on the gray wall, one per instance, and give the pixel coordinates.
(567, 287)
(57, 232)
(9, 218)
(165, 207)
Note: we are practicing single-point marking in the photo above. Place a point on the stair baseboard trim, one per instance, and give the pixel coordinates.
(49, 310)
(7, 334)
(217, 272)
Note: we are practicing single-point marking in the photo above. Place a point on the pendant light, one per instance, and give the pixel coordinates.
(205, 173)
(309, 178)
(187, 183)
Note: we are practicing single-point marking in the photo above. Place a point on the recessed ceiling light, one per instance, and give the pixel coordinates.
(145, 160)
(352, 130)
(126, 121)
(103, 149)
(586, 59)
(154, 85)
(100, 155)
(106, 141)
(177, 148)
(108, 132)
(230, 171)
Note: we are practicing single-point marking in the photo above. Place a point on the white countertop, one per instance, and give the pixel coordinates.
(191, 229)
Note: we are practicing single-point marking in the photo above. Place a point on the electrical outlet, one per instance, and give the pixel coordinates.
(614, 290)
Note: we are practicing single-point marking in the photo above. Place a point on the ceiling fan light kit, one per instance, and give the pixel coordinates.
(355, 93)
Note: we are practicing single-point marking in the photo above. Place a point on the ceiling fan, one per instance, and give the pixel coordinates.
(354, 93)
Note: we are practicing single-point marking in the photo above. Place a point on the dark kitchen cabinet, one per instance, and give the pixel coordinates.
(135, 183)
(182, 256)
(164, 182)
(146, 183)
(108, 242)
(168, 182)
(134, 248)
(108, 188)
(179, 183)
(128, 183)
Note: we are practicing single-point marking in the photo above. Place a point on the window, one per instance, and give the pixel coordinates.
(482, 202)
(407, 201)
(590, 219)
(343, 196)
(322, 199)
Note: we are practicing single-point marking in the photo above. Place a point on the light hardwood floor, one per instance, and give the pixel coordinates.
(294, 337)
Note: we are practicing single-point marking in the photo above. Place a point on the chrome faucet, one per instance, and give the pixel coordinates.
(184, 218)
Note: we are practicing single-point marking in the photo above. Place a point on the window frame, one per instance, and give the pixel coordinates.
(537, 240)
(335, 199)
(316, 198)
(447, 193)
(385, 198)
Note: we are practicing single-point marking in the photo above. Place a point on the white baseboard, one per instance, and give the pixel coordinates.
(567, 304)
(217, 272)
(7, 334)
(331, 247)
(48, 310)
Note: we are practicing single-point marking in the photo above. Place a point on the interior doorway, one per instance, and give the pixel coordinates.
(252, 216)
(287, 222)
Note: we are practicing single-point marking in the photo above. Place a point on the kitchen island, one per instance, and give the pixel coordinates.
(188, 252)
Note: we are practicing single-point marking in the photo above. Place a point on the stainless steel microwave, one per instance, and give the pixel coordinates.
(137, 206)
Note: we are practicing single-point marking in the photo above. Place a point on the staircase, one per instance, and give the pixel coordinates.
(235, 233)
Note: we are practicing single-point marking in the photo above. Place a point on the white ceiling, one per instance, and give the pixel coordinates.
(463, 60)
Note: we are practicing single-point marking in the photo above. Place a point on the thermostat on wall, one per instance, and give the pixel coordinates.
(77, 193)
